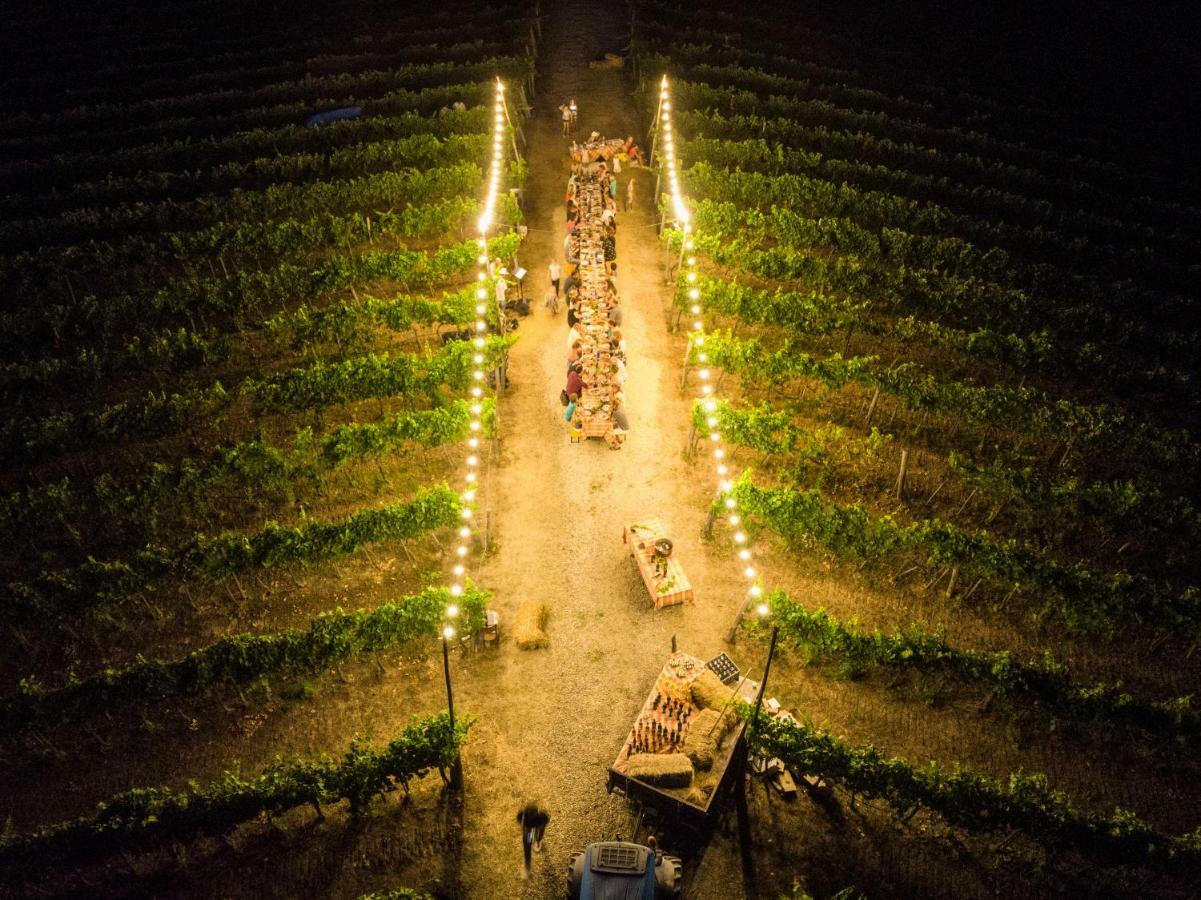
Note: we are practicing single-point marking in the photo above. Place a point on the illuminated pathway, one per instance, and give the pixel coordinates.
(550, 722)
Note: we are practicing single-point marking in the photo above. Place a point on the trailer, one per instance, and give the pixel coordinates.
(694, 806)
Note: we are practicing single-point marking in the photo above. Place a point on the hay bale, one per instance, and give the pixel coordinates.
(709, 693)
(703, 737)
(529, 625)
(662, 769)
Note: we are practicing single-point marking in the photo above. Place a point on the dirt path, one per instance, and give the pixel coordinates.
(550, 722)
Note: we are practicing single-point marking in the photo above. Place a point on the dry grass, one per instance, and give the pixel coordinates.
(709, 693)
(664, 769)
(529, 626)
(704, 736)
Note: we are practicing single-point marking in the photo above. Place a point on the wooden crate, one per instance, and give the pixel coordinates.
(674, 587)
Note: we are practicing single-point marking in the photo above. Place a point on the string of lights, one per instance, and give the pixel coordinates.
(476, 391)
(484, 280)
(696, 341)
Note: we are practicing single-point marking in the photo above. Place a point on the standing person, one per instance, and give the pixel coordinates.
(575, 381)
(630, 193)
(575, 113)
(533, 819)
(565, 112)
(502, 289)
(613, 186)
(555, 272)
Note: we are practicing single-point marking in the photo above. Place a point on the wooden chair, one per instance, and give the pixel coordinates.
(491, 630)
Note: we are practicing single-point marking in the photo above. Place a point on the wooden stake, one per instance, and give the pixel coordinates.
(900, 487)
(871, 409)
(963, 505)
(951, 583)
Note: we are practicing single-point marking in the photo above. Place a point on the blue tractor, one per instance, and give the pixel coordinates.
(620, 870)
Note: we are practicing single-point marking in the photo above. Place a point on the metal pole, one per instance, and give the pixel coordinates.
(771, 651)
(456, 769)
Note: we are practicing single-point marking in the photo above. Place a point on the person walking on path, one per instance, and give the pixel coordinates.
(630, 193)
(566, 113)
(533, 820)
(555, 272)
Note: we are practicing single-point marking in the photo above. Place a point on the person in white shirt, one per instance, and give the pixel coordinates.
(607, 215)
(555, 272)
(502, 289)
(575, 333)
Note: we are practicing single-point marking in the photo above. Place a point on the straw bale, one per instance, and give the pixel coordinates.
(703, 737)
(529, 625)
(709, 693)
(663, 769)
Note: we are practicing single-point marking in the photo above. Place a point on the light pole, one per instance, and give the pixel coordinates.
(448, 633)
(771, 652)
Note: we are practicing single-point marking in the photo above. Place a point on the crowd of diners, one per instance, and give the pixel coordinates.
(594, 395)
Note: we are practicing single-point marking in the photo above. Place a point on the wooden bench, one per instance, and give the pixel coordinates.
(673, 586)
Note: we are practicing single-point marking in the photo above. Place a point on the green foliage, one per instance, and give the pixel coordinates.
(147, 817)
(1098, 427)
(152, 416)
(407, 375)
(241, 659)
(247, 294)
(350, 325)
(969, 800)
(54, 594)
(1046, 682)
(1083, 599)
(115, 511)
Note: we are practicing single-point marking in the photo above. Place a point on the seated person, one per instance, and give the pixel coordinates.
(619, 341)
(621, 424)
